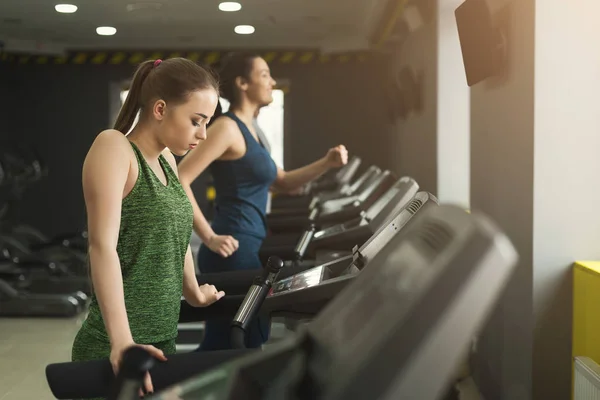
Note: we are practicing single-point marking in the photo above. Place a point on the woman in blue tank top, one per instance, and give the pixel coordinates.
(243, 173)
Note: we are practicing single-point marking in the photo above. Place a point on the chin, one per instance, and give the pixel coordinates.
(180, 153)
(266, 103)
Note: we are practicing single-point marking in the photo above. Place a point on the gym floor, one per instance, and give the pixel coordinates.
(28, 345)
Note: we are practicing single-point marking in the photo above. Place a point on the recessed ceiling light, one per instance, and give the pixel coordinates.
(65, 8)
(106, 30)
(244, 29)
(230, 6)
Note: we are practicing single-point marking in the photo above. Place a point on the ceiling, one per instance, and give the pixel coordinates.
(159, 24)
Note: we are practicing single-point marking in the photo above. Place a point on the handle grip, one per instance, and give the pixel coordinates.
(254, 299)
(304, 242)
(136, 362)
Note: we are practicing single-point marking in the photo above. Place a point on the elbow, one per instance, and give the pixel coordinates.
(281, 184)
(101, 249)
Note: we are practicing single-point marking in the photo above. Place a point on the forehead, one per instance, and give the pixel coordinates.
(202, 100)
(259, 65)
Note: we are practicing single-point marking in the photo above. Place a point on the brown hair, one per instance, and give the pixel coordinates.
(235, 65)
(171, 80)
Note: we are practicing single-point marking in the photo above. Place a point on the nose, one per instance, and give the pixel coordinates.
(273, 82)
(201, 134)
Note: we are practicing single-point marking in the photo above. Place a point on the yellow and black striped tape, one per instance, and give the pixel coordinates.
(300, 57)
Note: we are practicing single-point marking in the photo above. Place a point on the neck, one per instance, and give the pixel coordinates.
(145, 139)
(245, 111)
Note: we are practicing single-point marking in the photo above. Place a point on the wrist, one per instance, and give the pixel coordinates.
(121, 342)
(200, 298)
(207, 237)
(326, 163)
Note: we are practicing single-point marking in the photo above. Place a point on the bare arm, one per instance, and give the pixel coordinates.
(220, 136)
(195, 162)
(103, 188)
(288, 181)
(292, 180)
(194, 294)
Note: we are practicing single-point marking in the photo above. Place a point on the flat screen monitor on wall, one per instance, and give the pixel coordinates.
(480, 41)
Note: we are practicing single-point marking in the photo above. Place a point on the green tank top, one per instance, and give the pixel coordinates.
(156, 227)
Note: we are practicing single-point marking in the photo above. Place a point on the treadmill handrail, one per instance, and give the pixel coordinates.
(385, 205)
(368, 191)
(362, 180)
(345, 175)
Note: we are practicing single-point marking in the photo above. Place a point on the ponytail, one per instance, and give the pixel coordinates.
(133, 104)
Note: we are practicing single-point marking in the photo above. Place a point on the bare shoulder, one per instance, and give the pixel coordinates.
(111, 140)
(223, 127)
(111, 150)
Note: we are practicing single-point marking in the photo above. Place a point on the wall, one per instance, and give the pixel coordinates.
(415, 150)
(6, 90)
(566, 217)
(534, 139)
(334, 104)
(502, 140)
(453, 112)
(63, 107)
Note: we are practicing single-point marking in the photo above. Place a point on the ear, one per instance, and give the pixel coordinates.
(241, 83)
(159, 109)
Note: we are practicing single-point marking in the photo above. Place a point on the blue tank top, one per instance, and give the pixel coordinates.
(242, 188)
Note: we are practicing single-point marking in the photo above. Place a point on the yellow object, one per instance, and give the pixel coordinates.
(388, 26)
(586, 313)
(211, 193)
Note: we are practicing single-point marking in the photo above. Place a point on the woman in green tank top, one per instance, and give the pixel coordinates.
(139, 217)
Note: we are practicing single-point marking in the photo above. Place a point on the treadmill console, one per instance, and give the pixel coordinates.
(302, 280)
(402, 192)
(388, 230)
(411, 314)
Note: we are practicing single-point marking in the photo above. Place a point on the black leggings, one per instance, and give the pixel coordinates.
(217, 331)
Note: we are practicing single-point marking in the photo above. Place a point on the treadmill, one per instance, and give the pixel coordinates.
(345, 235)
(327, 183)
(343, 176)
(47, 275)
(35, 289)
(237, 282)
(333, 211)
(408, 319)
(372, 237)
(295, 220)
(298, 298)
(24, 303)
(339, 210)
(304, 294)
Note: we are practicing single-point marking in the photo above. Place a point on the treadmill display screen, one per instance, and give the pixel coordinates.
(305, 279)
